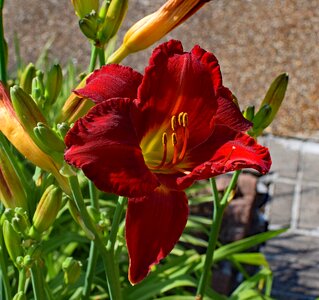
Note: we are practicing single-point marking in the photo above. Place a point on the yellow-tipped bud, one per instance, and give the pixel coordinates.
(27, 77)
(84, 7)
(53, 84)
(249, 113)
(71, 269)
(153, 27)
(47, 209)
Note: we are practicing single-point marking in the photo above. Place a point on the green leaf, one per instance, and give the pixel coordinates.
(187, 238)
(257, 259)
(239, 246)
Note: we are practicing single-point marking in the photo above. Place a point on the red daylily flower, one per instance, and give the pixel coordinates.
(150, 137)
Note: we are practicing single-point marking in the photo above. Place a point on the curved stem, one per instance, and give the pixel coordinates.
(22, 280)
(112, 279)
(219, 209)
(3, 270)
(3, 68)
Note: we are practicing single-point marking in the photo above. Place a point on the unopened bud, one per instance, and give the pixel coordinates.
(249, 113)
(113, 20)
(49, 140)
(12, 241)
(47, 209)
(12, 192)
(260, 120)
(85, 7)
(71, 269)
(27, 77)
(63, 129)
(274, 96)
(89, 26)
(26, 109)
(53, 84)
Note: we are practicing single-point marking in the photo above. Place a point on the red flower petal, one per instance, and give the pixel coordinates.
(111, 81)
(225, 151)
(153, 226)
(178, 82)
(104, 145)
(228, 113)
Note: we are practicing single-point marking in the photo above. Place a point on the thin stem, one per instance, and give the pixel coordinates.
(3, 270)
(219, 209)
(37, 282)
(3, 68)
(116, 222)
(93, 256)
(215, 192)
(22, 280)
(112, 279)
(94, 52)
(102, 56)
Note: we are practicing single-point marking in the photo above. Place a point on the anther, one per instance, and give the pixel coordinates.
(173, 123)
(164, 138)
(180, 118)
(185, 120)
(174, 139)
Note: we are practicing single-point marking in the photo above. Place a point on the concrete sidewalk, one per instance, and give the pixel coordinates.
(294, 189)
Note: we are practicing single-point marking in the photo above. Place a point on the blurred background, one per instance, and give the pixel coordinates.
(254, 41)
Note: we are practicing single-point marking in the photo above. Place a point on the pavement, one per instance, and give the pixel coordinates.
(294, 190)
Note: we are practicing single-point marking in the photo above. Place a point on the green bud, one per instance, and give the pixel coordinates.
(260, 120)
(12, 241)
(47, 209)
(34, 251)
(8, 214)
(26, 78)
(27, 261)
(26, 109)
(71, 269)
(249, 113)
(53, 84)
(113, 20)
(63, 129)
(274, 96)
(12, 192)
(89, 26)
(20, 225)
(49, 140)
(85, 7)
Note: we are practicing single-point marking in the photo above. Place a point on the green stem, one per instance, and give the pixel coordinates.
(102, 56)
(219, 209)
(3, 69)
(111, 275)
(3, 270)
(94, 52)
(37, 282)
(93, 256)
(22, 280)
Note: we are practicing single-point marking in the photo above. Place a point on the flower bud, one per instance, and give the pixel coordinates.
(75, 107)
(12, 241)
(89, 26)
(27, 77)
(12, 193)
(85, 7)
(53, 84)
(49, 140)
(47, 209)
(27, 110)
(63, 129)
(249, 113)
(260, 120)
(113, 20)
(274, 96)
(153, 27)
(71, 269)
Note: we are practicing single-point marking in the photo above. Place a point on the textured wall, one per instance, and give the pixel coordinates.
(254, 40)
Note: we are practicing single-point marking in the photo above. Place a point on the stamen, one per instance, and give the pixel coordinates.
(164, 142)
(175, 154)
(174, 139)
(173, 123)
(230, 154)
(185, 139)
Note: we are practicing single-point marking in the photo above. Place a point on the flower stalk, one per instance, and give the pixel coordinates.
(3, 69)
(219, 209)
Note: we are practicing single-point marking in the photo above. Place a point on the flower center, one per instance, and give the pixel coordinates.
(166, 157)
